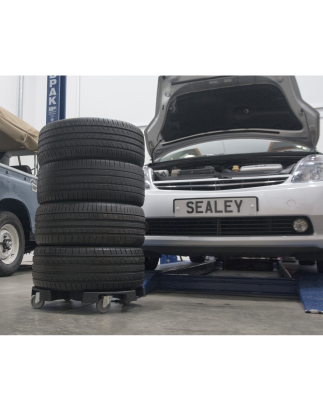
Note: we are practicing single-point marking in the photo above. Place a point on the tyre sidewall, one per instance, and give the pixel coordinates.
(151, 263)
(10, 218)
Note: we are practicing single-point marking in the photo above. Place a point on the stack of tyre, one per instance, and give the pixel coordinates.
(90, 225)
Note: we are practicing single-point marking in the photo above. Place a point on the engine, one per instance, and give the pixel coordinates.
(223, 172)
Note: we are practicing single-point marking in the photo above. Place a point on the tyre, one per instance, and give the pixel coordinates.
(89, 224)
(319, 264)
(197, 259)
(91, 138)
(88, 268)
(91, 180)
(306, 262)
(151, 263)
(12, 243)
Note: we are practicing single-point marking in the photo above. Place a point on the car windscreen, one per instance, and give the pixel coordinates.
(234, 146)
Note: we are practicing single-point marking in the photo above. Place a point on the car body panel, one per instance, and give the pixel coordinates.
(20, 186)
(171, 88)
(273, 200)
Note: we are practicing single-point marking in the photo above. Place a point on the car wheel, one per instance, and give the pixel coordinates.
(88, 268)
(12, 243)
(91, 138)
(319, 264)
(197, 259)
(306, 262)
(151, 263)
(87, 224)
(91, 180)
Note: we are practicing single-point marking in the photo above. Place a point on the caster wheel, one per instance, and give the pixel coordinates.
(100, 308)
(306, 262)
(36, 305)
(319, 264)
(197, 259)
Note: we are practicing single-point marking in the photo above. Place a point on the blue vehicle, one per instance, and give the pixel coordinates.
(18, 192)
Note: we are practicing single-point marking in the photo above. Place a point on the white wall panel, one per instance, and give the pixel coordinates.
(311, 88)
(128, 98)
(34, 109)
(9, 93)
(72, 97)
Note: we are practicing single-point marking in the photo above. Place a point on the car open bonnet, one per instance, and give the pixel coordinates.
(191, 109)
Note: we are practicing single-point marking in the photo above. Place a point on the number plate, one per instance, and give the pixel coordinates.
(216, 207)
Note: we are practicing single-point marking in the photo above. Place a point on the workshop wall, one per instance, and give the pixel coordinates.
(128, 98)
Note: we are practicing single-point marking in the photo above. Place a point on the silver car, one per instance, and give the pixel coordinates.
(234, 170)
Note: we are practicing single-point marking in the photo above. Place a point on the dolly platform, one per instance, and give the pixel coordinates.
(102, 299)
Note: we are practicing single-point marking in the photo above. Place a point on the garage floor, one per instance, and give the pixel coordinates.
(158, 313)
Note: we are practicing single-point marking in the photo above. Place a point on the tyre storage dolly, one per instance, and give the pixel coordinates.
(102, 299)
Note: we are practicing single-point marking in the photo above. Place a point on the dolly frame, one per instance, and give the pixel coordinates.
(101, 298)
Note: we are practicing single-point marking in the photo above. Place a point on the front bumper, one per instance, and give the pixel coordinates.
(306, 247)
(286, 199)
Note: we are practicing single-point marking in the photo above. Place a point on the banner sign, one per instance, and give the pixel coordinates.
(56, 98)
(53, 98)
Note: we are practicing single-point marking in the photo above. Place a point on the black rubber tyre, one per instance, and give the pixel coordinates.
(89, 224)
(12, 231)
(91, 180)
(306, 262)
(92, 138)
(197, 259)
(88, 268)
(151, 263)
(319, 264)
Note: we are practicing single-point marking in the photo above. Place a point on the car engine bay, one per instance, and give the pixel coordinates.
(229, 171)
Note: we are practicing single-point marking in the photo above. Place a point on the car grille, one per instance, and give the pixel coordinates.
(215, 184)
(225, 226)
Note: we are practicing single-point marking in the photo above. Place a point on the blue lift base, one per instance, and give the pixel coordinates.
(311, 292)
(306, 286)
(189, 279)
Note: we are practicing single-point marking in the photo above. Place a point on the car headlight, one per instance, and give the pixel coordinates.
(309, 169)
(148, 172)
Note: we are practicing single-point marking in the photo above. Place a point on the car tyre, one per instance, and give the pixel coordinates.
(306, 262)
(319, 264)
(151, 263)
(88, 268)
(100, 224)
(91, 138)
(91, 180)
(197, 259)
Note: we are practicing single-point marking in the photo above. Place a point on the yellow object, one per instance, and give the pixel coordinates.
(235, 168)
(175, 172)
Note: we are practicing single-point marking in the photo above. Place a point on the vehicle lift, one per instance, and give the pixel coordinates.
(196, 278)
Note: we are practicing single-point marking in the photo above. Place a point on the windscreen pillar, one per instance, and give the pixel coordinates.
(56, 98)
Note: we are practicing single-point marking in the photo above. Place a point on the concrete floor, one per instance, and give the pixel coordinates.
(157, 314)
